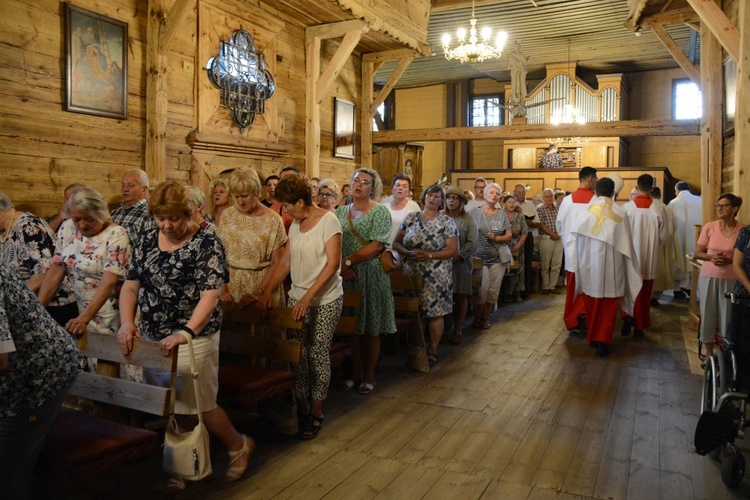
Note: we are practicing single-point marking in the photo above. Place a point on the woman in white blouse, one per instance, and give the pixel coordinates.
(399, 204)
(312, 255)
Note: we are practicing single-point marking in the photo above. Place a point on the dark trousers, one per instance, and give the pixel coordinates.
(528, 251)
(21, 439)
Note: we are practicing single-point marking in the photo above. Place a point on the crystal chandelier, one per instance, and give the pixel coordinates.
(474, 51)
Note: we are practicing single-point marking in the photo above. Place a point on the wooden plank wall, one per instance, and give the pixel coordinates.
(43, 148)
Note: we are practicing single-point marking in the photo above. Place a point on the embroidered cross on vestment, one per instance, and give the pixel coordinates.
(603, 212)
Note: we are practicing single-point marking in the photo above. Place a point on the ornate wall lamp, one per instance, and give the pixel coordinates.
(240, 72)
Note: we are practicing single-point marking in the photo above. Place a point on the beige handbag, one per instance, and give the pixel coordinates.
(187, 454)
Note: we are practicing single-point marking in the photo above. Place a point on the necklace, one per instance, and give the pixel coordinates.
(8, 230)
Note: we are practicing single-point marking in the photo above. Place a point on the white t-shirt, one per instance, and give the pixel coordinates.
(309, 258)
(398, 216)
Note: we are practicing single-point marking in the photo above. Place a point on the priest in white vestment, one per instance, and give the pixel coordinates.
(669, 252)
(687, 211)
(605, 264)
(649, 233)
(571, 205)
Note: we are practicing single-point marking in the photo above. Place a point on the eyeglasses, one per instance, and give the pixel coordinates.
(357, 180)
(722, 206)
(326, 195)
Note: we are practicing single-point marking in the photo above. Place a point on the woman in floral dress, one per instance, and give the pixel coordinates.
(427, 242)
(94, 253)
(175, 279)
(366, 228)
(253, 236)
(26, 245)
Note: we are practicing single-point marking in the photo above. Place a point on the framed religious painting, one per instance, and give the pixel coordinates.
(96, 62)
(730, 94)
(344, 119)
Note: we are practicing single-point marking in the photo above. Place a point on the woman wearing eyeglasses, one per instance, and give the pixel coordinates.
(715, 247)
(328, 195)
(366, 227)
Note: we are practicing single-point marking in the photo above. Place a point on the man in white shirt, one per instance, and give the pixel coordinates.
(686, 208)
(528, 210)
(478, 201)
(604, 263)
(649, 232)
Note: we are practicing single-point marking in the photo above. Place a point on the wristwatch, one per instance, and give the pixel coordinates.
(429, 256)
(348, 263)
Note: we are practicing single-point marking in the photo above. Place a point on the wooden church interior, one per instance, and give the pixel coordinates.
(524, 412)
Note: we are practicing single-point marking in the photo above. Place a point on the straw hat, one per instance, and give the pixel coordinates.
(455, 190)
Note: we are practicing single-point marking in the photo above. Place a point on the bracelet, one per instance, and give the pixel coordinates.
(188, 330)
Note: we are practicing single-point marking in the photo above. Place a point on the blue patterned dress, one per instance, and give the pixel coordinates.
(436, 298)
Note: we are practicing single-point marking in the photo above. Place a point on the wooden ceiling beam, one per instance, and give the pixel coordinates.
(674, 16)
(388, 55)
(447, 5)
(392, 81)
(339, 59)
(627, 128)
(719, 24)
(690, 70)
(334, 30)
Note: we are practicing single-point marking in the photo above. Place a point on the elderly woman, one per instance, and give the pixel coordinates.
(493, 228)
(94, 253)
(400, 205)
(313, 256)
(715, 247)
(218, 200)
(328, 195)
(428, 243)
(366, 227)
(26, 245)
(175, 279)
(54, 221)
(519, 231)
(197, 200)
(463, 263)
(254, 237)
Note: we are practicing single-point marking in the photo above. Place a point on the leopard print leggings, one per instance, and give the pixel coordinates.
(314, 369)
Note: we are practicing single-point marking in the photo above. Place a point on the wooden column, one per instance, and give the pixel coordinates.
(465, 145)
(711, 123)
(368, 70)
(157, 96)
(742, 119)
(312, 108)
(450, 121)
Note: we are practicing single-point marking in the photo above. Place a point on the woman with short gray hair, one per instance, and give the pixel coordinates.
(94, 253)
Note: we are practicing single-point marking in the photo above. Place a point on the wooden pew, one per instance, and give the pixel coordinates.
(346, 326)
(254, 365)
(406, 305)
(82, 446)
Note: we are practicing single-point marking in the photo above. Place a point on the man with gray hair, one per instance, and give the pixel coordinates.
(550, 244)
(132, 213)
(479, 184)
(686, 209)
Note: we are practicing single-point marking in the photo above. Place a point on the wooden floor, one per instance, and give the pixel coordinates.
(518, 411)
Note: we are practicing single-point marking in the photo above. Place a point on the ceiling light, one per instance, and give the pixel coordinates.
(474, 51)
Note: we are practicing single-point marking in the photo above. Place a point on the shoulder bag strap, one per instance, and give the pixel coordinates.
(194, 375)
(349, 218)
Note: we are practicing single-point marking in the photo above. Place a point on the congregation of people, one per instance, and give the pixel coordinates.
(165, 261)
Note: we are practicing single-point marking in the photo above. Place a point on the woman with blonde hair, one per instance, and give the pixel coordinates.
(254, 238)
(328, 195)
(218, 200)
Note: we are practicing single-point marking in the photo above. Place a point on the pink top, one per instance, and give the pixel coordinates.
(716, 243)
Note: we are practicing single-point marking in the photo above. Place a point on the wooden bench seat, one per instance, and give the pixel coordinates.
(340, 349)
(254, 366)
(81, 446)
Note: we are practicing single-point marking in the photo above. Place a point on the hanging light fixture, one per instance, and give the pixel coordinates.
(567, 115)
(474, 51)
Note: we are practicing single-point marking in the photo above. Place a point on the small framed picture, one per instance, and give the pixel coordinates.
(344, 120)
(96, 58)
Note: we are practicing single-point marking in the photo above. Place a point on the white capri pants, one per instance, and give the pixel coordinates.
(492, 279)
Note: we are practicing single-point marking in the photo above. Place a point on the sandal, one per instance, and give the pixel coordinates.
(347, 384)
(365, 388)
(314, 424)
(234, 472)
(176, 484)
(432, 359)
(486, 324)
(456, 339)
(477, 323)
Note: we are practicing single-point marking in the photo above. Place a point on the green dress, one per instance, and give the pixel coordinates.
(375, 316)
